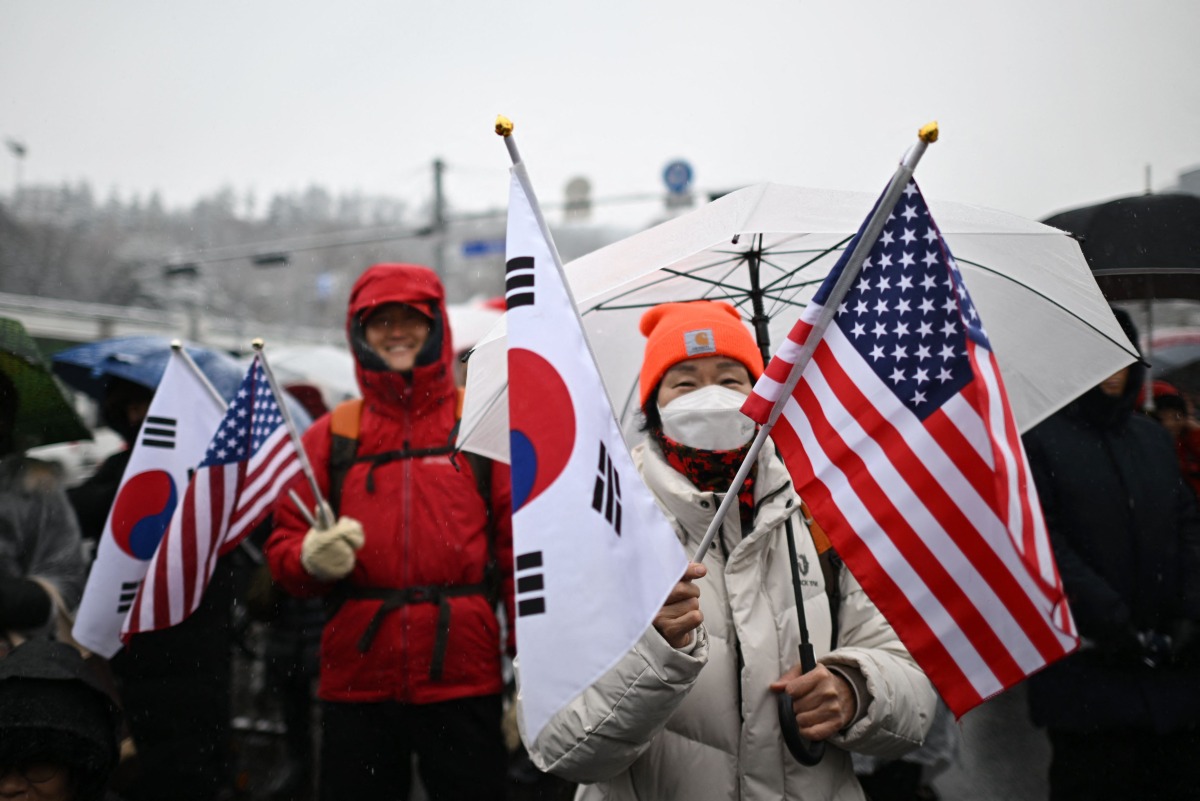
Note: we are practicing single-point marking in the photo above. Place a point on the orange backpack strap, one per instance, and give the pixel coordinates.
(343, 446)
(346, 417)
(819, 537)
(831, 565)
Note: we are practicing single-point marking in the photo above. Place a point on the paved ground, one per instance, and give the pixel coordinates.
(1003, 757)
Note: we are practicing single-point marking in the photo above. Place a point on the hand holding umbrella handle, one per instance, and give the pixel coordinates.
(805, 751)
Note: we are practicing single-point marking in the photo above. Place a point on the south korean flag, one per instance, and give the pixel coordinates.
(595, 557)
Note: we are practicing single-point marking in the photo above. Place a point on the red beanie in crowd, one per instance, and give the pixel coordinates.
(678, 331)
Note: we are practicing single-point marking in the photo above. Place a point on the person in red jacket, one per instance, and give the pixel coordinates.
(413, 567)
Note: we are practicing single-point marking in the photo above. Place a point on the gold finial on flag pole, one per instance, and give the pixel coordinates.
(504, 126)
(927, 134)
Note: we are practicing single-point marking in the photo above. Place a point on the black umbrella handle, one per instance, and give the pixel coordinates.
(805, 751)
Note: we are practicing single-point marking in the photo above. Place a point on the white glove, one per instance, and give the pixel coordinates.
(328, 553)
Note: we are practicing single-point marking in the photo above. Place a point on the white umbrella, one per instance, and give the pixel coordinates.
(766, 249)
(328, 368)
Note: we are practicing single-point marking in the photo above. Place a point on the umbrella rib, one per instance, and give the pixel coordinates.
(1048, 299)
(607, 306)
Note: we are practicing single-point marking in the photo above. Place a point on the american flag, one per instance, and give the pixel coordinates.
(249, 460)
(900, 438)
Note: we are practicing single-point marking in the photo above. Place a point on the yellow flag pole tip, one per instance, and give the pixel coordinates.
(257, 343)
(504, 126)
(929, 132)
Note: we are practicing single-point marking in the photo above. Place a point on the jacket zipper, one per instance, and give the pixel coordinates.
(405, 539)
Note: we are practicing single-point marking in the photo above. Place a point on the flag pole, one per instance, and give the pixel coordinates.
(321, 516)
(177, 347)
(926, 136)
(504, 128)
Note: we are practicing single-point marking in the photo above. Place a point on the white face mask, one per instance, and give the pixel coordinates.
(708, 419)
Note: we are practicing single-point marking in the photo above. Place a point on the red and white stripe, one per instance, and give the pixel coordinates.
(938, 520)
(223, 504)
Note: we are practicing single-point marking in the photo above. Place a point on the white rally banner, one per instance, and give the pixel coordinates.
(179, 425)
(595, 558)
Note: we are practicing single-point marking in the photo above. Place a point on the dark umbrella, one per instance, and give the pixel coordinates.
(1140, 247)
(142, 360)
(44, 415)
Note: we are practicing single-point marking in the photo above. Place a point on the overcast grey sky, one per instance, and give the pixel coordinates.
(1043, 104)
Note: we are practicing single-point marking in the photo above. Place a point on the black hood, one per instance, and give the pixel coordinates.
(1105, 411)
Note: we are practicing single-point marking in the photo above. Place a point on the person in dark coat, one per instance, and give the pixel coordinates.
(175, 682)
(1122, 712)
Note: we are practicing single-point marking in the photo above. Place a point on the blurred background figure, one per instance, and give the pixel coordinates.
(1123, 711)
(123, 409)
(1175, 413)
(174, 683)
(58, 727)
(41, 561)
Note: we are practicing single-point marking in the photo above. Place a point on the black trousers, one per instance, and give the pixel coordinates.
(1105, 765)
(366, 750)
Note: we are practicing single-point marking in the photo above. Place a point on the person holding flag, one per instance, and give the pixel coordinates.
(413, 554)
(691, 710)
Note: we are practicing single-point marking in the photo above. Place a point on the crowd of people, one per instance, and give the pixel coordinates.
(391, 597)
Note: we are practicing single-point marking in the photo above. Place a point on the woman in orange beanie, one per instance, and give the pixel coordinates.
(691, 710)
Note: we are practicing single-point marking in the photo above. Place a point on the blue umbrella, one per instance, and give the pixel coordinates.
(142, 360)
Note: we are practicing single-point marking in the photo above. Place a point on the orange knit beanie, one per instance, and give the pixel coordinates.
(678, 331)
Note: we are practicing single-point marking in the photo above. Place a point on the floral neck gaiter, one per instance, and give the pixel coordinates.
(712, 471)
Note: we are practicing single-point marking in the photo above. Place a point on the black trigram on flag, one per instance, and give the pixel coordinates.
(518, 282)
(606, 495)
(128, 594)
(531, 584)
(159, 432)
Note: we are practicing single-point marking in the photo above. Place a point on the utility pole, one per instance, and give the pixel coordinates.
(439, 217)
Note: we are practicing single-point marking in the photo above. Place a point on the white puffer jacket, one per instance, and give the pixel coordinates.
(666, 724)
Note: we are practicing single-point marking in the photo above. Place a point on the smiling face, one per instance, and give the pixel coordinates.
(692, 374)
(397, 332)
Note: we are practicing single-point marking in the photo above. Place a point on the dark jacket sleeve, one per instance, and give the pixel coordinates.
(1098, 609)
(1189, 532)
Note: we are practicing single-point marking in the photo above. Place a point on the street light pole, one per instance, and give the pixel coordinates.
(439, 217)
(19, 150)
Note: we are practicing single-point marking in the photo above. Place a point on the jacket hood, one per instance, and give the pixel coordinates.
(1103, 410)
(432, 376)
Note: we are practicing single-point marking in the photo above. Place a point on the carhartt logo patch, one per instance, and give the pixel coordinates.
(699, 341)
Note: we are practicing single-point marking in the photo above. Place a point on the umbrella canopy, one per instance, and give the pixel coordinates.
(1146, 246)
(44, 414)
(142, 360)
(470, 321)
(330, 369)
(766, 249)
